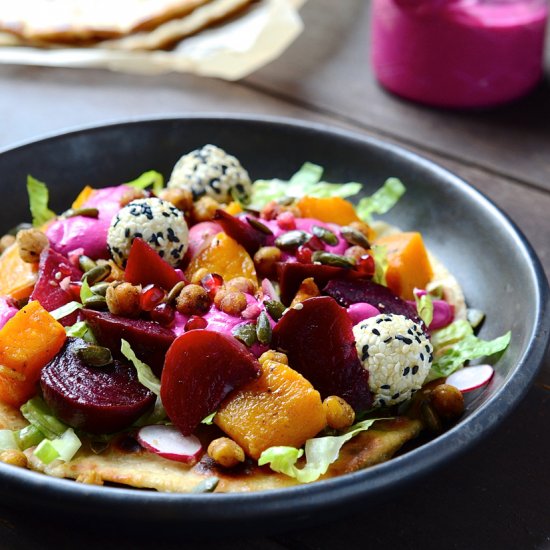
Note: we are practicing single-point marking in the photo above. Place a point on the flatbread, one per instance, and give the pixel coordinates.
(85, 21)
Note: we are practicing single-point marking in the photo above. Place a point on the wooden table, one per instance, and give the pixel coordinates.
(498, 495)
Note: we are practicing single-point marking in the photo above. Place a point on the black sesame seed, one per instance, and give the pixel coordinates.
(415, 369)
(166, 215)
(171, 236)
(387, 340)
(406, 371)
(161, 253)
(410, 332)
(385, 387)
(378, 321)
(404, 339)
(417, 340)
(395, 395)
(127, 232)
(421, 357)
(364, 352)
(376, 331)
(427, 348)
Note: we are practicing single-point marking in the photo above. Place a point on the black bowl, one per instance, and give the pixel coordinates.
(496, 266)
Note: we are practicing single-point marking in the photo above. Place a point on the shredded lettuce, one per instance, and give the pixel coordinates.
(451, 334)
(152, 177)
(307, 181)
(424, 307)
(380, 255)
(82, 330)
(381, 201)
(144, 372)
(85, 291)
(65, 310)
(320, 453)
(39, 415)
(63, 447)
(8, 440)
(39, 197)
(208, 420)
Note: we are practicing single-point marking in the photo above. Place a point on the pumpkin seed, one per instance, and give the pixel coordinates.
(174, 292)
(292, 239)
(263, 328)
(326, 235)
(208, 485)
(275, 309)
(246, 333)
(100, 289)
(96, 302)
(259, 226)
(95, 356)
(354, 237)
(97, 274)
(335, 260)
(86, 212)
(430, 418)
(86, 263)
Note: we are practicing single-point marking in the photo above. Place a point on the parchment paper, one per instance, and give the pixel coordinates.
(230, 51)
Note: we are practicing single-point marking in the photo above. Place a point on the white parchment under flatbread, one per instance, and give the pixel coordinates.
(231, 50)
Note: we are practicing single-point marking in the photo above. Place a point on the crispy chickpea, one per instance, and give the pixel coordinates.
(204, 209)
(14, 457)
(355, 252)
(199, 275)
(265, 260)
(116, 273)
(193, 300)
(242, 284)
(447, 401)
(225, 452)
(339, 413)
(181, 198)
(272, 355)
(272, 209)
(130, 195)
(233, 303)
(123, 299)
(31, 242)
(6, 241)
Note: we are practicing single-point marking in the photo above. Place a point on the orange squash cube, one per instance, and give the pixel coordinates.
(17, 278)
(329, 210)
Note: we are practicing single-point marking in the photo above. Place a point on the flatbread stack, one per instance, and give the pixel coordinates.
(127, 25)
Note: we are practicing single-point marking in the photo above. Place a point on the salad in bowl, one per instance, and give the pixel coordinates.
(216, 334)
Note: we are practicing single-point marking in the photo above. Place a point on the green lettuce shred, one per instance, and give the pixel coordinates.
(39, 415)
(144, 372)
(381, 201)
(65, 310)
(147, 179)
(425, 307)
(209, 420)
(320, 453)
(380, 255)
(81, 329)
(85, 291)
(39, 197)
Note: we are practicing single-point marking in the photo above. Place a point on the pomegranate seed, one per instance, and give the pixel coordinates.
(195, 322)
(163, 314)
(286, 221)
(151, 297)
(365, 265)
(304, 254)
(315, 243)
(212, 283)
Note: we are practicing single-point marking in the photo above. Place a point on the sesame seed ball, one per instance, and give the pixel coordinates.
(211, 171)
(160, 224)
(397, 355)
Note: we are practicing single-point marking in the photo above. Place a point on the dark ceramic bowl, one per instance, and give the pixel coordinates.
(496, 266)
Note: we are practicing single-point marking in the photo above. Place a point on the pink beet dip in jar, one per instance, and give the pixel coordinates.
(458, 53)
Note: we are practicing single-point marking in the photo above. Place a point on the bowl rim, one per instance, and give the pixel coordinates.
(344, 489)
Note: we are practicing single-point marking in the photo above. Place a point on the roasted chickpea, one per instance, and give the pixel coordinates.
(130, 195)
(233, 303)
(181, 198)
(339, 412)
(204, 209)
(123, 299)
(272, 355)
(225, 452)
(31, 242)
(242, 284)
(14, 457)
(265, 260)
(447, 401)
(193, 300)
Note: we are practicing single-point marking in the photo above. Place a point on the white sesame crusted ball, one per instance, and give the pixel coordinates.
(211, 171)
(397, 354)
(160, 224)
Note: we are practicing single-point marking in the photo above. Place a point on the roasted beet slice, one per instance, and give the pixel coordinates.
(246, 235)
(145, 267)
(53, 270)
(319, 342)
(95, 399)
(201, 368)
(381, 297)
(292, 274)
(149, 340)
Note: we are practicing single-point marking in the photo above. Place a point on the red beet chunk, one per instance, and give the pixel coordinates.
(246, 235)
(379, 296)
(149, 340)
(146, 267)
(201, 369)
(292, 274)
(52, 270)
(319, 342)
(94, 399)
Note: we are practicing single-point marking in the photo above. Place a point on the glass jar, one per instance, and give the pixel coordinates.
(459, 53)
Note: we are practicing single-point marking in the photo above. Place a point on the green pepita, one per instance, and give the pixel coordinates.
(85, 263)
(95, 356)
(208, 485)
(86, 212)
(275, 309)
(96, 302)
(97, 274)
(174, 292)
(246, 333)
(326, 235)
(263, 328)
(354, 237)
(100, 289)
(253, 222)
(334, 260)
(292, 239)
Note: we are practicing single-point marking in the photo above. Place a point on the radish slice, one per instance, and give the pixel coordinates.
(168, 442)
(471, 378)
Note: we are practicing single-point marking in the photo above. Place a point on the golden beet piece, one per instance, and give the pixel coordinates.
(329, 210)
(17, 278)
(224, 256)
(408, 263)
(279, 408)
(83, 196)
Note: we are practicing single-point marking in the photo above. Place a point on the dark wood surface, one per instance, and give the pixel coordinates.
(498, 495)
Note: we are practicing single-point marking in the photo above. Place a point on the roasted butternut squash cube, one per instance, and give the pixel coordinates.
(17, 278)
(279, 408)
(408, 263)
(328, 209)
